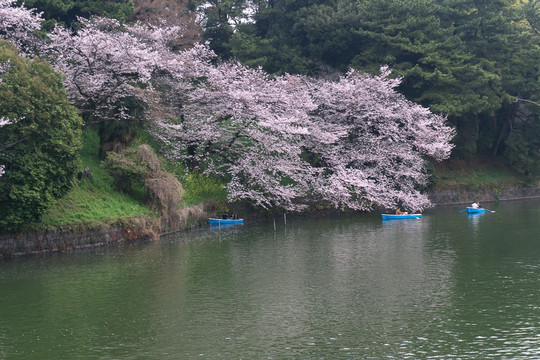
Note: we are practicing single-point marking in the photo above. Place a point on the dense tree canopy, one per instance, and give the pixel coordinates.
(67, 12)
(290, 140)
(39, 148)
(474, 61)
(280, 141)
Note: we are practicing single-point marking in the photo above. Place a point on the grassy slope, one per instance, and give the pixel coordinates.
(96, 201)
(482, 171)
(93, 200)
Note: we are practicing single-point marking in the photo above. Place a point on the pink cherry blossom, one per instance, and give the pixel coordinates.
(369, 140)
(17, 24)
(278, 141)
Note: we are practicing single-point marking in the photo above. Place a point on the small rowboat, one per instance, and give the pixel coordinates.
(214, 221)
(472, 210)
(400, 217)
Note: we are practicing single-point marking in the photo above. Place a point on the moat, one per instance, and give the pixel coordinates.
(449, 285)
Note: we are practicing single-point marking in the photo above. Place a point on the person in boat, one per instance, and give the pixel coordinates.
(399, 212)
(234, 216)
(475, 205)
(225, 216)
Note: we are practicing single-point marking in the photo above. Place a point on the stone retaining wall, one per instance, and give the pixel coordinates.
(453, 197)
(134, 230)
(21, 244)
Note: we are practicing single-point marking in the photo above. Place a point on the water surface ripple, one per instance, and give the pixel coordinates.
(447, 286)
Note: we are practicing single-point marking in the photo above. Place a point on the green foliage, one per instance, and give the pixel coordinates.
(67, 11)
(523, 150)
(218, 17)
(140, 167)
(126, 170)
(93, 200)
(330, 29)
(40, 149)
(200, 188)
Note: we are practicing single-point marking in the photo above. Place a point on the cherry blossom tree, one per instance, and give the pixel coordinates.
(244, 126)
(103, 65)
(106, 63)
(17, 24)
(115, 73)
(381, 160)
(355, 143)
(278, 141)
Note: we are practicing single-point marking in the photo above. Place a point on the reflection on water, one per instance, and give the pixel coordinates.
(474, 219)
(219, 226)
(449, 285)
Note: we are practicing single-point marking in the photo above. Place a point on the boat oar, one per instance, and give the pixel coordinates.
(463, 210)
(489, 210)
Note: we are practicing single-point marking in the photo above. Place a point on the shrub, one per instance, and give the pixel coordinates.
(140, 167)
(40, 147)
(126, 169)
(164, 192)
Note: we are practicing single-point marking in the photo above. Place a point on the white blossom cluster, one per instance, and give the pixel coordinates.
(3, 68)
(279, 141)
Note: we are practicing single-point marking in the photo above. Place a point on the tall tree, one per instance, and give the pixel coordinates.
(355, 143)
(170, 13)
(219, 19)
(276, 36)
(40, 150)
(66, 12)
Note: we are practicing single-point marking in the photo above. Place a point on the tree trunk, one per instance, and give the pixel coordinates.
(506, 129)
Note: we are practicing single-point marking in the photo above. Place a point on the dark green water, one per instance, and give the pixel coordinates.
(448, 286)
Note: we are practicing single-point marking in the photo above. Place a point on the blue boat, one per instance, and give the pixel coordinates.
(400, 217)
(472, 210)
(214, 221)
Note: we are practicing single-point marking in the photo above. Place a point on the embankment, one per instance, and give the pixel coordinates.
(440, 197)
(144, 229)
(74, 238)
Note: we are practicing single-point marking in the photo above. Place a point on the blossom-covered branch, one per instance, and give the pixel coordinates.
(17, 24)
(380, 163)
(280, 141)
(355, 143)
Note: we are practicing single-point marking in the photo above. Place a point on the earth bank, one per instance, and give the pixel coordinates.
(142, 228)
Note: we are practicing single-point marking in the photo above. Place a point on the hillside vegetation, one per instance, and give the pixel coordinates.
(94, 202)
(333, 103)
(479, 172)
(94, 199)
